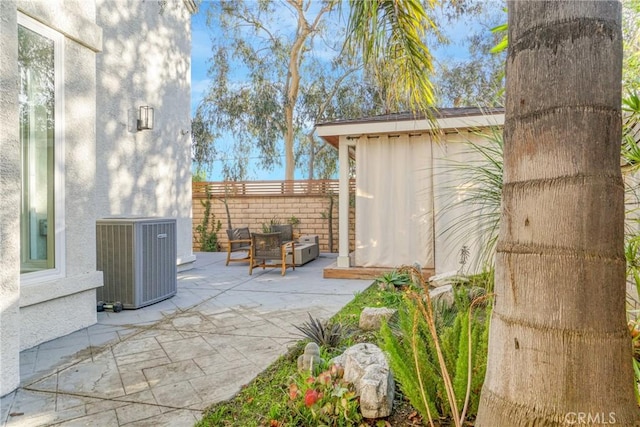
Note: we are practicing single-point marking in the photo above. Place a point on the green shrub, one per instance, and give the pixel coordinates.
(458, 339)
(428, 352)
(208, 229)
(325, 400)
(410, 359)
(267, 226)
(393, 279)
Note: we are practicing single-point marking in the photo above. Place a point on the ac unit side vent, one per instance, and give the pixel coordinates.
(138, 259)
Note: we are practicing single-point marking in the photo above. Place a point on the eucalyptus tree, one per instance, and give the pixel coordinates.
(257, 108)
(476, 79)
(203, 149)
(559, 349)
(261, 67)
(340, 90)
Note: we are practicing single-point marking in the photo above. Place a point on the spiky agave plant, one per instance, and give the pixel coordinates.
(393, 280)
(325, 334)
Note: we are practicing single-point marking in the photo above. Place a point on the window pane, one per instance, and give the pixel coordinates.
(37, 97)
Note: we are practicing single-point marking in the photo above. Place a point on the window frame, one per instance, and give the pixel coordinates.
(59, 269)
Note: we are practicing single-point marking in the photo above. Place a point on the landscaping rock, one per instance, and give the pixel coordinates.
(443, 296)
(443, 279)
(310, 358)
(371, 317)
(366, 366)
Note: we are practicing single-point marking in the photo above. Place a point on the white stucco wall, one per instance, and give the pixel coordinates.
(110, 168)
(45, 319)
(10, 206)
(146, 61)
(40, 316)
(34, 311)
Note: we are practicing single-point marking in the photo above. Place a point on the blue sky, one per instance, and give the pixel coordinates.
(201, 53)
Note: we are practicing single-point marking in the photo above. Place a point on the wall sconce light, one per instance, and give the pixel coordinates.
(145, 118)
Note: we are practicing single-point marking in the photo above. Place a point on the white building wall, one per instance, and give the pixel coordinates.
(10, 206)
(39, 320)
(76, 20)
(38, 311)
(145, 61)
(110, 168)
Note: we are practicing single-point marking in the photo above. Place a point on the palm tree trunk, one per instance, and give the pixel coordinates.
(559, 349)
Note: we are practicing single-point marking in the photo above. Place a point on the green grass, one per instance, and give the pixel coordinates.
(262, 399)
(266, 397)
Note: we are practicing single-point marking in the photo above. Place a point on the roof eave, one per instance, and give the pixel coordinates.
(331, 132)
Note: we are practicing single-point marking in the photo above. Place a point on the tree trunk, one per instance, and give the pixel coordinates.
(559, 349)
(312, 155)
(292, 87)
(288, 144)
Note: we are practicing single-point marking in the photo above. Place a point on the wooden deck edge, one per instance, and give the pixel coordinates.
(335, 272)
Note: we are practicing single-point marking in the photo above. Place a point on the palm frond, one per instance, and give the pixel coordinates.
(394, 30)
(477, 182)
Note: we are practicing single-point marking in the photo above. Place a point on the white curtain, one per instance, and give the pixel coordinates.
(394, 199)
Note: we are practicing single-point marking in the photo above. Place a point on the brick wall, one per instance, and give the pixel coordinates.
(253, 210)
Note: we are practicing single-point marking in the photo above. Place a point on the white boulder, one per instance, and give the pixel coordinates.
(366, 367)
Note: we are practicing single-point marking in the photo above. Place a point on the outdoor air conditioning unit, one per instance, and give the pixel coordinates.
(137, 256)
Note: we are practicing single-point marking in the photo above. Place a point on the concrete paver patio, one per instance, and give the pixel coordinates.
(162, 365)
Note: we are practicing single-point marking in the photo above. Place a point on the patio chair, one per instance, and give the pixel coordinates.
(268, 250)
(285, 230)
(239, 241)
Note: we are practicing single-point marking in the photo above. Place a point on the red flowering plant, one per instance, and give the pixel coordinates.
(325, 400)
